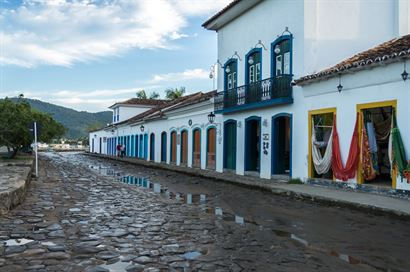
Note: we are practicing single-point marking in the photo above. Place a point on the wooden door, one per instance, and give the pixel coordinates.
(211, 148)
(184, 147)
(174, 147)
(197, 148)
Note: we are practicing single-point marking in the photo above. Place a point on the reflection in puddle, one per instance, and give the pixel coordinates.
(116, 267)
(48, 244)
(17, 242)
(191, 255)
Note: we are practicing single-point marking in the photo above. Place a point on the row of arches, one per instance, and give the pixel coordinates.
(182, 140)
(256, 144)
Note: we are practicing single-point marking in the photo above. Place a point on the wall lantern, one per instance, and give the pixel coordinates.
(95, 135)
(142, 128)
(277, 49)
(112, 131)
(227, 69)
(250, 60)
(211, 117)
(339, 87)
(404, 75)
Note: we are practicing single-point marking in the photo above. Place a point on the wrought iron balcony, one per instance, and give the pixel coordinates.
(276, 90)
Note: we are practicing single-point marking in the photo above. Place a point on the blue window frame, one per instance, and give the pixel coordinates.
(230, 74)
(282, 59)
(253, 66)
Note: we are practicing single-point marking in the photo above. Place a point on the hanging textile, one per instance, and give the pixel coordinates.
(383, 129)
(399, 154)
(371, 135)
(339, 171)
(321, 164)
(368, 171)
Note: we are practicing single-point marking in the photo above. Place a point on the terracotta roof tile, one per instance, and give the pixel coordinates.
(393, 50)
(145, 102)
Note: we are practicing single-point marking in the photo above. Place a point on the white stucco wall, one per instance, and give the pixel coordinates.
(126, 112)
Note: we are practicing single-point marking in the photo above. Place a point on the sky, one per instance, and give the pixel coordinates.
(89, 54)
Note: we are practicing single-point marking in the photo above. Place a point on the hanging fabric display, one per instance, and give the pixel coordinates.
(368, 171)
(321, 164)
(399, 154)
(383, 129)
(339, 171)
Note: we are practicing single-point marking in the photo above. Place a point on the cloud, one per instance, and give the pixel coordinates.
(63, 32)
(188, 74)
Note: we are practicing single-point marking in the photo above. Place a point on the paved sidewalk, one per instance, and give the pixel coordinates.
(361, 200)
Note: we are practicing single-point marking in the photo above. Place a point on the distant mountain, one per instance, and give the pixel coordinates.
(76, 122)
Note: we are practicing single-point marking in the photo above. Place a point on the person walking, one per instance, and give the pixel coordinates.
(118, 150)
(122, 151)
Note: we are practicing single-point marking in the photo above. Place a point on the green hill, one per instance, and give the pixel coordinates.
(76, 122)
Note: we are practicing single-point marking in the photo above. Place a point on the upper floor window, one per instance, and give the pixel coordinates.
(230, 70)
(253, 66)
(281, 55)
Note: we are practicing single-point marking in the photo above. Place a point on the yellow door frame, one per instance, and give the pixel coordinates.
(359, 108)
(311, 113)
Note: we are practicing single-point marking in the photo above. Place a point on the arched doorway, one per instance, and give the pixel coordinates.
(196, 148)
(211, 148)
(230, 144)
(173, 147)
(184, 147)
(282, 144)
(163, 146)
(152, 147)
(252, 143)
(141, 148)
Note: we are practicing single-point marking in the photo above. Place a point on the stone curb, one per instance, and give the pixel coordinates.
(258, 183)
(13, 197)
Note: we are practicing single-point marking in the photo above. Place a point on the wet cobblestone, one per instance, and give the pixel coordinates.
(75, 219)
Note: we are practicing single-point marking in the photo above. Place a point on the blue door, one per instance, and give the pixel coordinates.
(145, 146)
(141, 147)
(152, 147)
(136, 146)
(164, 146)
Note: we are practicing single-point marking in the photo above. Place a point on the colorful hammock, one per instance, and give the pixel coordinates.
(368, 171)
(399, 154)
(339, 171)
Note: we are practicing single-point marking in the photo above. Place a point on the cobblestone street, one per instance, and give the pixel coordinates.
(90, 214)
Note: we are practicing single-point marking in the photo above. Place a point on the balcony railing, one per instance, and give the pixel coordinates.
(267, 90)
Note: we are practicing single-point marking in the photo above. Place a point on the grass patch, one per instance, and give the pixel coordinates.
(295, 181)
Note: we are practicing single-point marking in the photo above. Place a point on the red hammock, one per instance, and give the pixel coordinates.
(339, 171)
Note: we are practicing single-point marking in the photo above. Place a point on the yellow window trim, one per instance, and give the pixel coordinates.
(310, 114)
(359, 108)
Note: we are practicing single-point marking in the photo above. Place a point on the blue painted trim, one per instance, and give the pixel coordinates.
(273, 142)
(132, 146)
(229, 61)
(136, 146)
(252, 51)
(235, 141)
(247, 145)
(266, 103)
(193, 145)
(141, 147)
(207, 144)
(272, 56)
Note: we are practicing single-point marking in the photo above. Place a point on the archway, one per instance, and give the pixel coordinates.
(163, 146)
(211, 148)
(252, 143)
(196, 148)
(282, 144)
(230, 144)
(184, 147)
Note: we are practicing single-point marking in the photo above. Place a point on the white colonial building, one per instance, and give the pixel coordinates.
(278, 105)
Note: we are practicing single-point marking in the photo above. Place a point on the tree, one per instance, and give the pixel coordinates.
(141, 94)
(174, 93)
(16, 120)
(154, 95)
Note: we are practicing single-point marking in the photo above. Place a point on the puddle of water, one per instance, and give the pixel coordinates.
(116, 267)
(48, 244)
(192, 255)
(17, 242)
